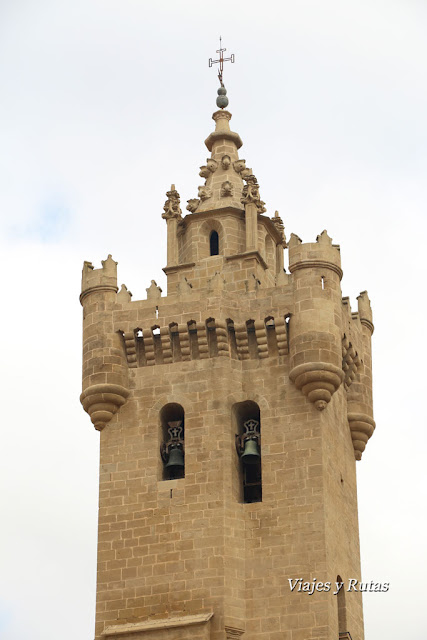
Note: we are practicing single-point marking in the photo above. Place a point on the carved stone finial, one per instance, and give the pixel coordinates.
(278, 223)
(226, 189)
(193, 204)
(250, 193)
(171, 206)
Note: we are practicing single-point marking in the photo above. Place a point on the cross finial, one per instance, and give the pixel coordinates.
(221, 60)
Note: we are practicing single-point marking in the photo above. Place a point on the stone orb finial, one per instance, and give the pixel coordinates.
(222, 100)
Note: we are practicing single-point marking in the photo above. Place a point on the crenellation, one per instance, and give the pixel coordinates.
(124, 295)
(103, 279)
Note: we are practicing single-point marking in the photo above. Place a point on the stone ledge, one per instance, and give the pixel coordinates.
(247, 255)
(157, 625)
(178, 267)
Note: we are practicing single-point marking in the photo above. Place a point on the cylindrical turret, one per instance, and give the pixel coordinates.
(104, 364)
(315, 327)
(360, 406)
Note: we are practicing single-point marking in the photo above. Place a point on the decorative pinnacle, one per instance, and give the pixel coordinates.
(222, 100)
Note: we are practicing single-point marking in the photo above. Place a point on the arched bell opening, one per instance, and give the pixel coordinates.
(247, 421)
(172, 448)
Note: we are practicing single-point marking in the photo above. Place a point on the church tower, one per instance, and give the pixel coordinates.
(231, 414)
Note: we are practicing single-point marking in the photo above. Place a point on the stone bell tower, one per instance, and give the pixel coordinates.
(231, 414)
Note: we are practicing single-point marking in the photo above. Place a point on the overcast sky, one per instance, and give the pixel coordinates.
(104, 105)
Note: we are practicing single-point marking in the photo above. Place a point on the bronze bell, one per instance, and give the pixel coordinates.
(250, 453)
(176, 460)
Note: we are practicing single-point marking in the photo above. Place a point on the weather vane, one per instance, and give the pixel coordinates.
(221, 61)
(222, 100)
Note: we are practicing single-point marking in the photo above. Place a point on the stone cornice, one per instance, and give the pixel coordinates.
(223, 135)
(178, 267)
(309, 264)
(99, 288)
(367, 323)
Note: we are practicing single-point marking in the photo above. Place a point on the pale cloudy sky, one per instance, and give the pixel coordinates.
(105, 104)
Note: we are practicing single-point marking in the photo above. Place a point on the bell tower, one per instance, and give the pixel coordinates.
(231, 414)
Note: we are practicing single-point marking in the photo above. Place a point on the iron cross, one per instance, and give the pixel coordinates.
(221, 60)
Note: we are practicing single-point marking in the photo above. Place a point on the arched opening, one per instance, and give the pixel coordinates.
(247, 420)
(269, 251)
(342, 614)
(214, 243)
(172, 441)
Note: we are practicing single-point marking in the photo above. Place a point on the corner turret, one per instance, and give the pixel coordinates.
(360, 404)
(315, 331)
(104, 364)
